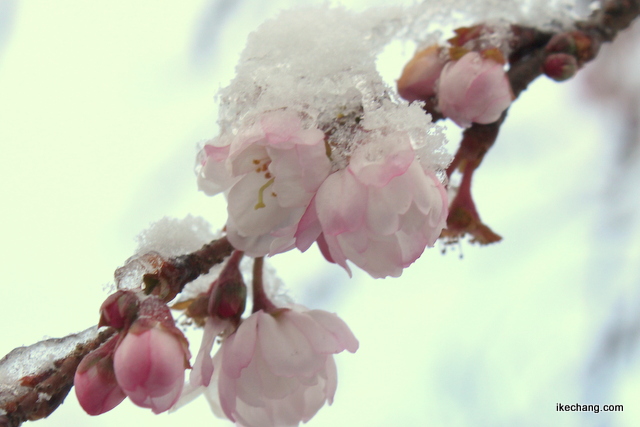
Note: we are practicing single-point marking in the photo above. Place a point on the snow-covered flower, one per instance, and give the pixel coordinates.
(277, 369)
(150, 361)
(95, 382)
(420, 75)
(380, 212)
(270, 172)
(473, 89)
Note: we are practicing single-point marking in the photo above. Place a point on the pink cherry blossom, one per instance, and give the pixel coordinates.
(149, 365)
(95, 382)
(380, 212)
(473, 90)
(270, 172)
(419, 77)
(277, 369)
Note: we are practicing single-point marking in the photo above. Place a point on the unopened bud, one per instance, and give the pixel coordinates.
(150, 361)
(562, 43)
(576, 43)
(419, 77)
(586, 46)
(119, 309)
(95, 381)
(229, 292)
(560, 66)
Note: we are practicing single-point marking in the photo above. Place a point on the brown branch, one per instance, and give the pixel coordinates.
(39, 393)
(174, 273)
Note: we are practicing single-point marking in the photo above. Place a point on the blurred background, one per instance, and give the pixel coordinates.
(102, 105)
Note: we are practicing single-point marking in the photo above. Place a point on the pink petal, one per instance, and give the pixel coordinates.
(379, 161)
(203, 366)
(320, 339)
(280, 127)
(332, 380)
(308, 228)
(239, 347)
(132, 361)
(336, 326)
(341, 203)
(285, 349)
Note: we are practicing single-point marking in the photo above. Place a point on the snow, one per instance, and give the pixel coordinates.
(36, 359)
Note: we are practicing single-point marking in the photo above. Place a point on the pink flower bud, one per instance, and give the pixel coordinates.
(119, 309)
(560, 66)
(418, 79)
(95, 382)
(150, 361)
(474, 90)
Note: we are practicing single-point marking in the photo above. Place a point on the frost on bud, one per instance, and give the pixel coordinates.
(278, 369)
(419, 77)
(95, 382)
(119, 310)
(474, 89)
(560, 66)
(229, 293)
(150, 361)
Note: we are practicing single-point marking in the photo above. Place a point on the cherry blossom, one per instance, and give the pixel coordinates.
(270, 172)
(380, 212)
(473, 89)
(277, 369)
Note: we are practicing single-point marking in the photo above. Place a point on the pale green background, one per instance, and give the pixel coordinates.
(101, 106)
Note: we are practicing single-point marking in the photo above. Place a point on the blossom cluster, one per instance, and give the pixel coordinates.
(273, 368)
(287, 186)
(145, 360)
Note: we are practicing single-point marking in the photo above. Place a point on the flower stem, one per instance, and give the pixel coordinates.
(260, 299)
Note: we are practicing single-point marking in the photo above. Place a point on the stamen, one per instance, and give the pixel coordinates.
(260, 203)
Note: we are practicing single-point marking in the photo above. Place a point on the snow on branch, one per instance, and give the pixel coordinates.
(35, 380)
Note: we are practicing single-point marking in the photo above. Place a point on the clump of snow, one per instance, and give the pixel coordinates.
(166, 238)
(172, 236)
(321, 62)
(36, 359)
(431, 19)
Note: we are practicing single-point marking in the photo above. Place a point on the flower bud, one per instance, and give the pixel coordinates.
(474, 90)
(419, 77)
(95, 382)
(150, 361)
(228, 292)
(562, 43)
(576, 43)
(560, 66)
(119, 309)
